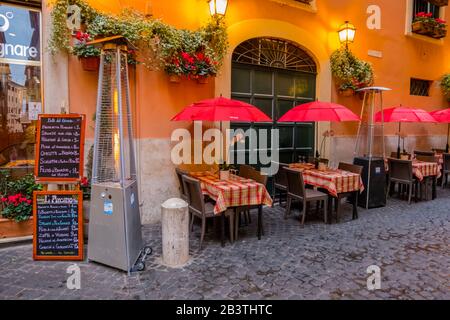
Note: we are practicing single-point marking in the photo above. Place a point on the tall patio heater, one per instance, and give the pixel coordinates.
(370, 149)
(115, 237)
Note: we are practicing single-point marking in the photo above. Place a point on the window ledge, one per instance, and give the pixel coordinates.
(413, 35)
(312, 7)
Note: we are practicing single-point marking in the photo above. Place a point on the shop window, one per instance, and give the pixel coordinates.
(419, 87)
(20, 85)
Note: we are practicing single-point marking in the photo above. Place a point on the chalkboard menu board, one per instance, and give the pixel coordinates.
(59, 148)
(58, 225)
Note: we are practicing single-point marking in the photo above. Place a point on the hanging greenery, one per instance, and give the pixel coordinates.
(445, 85)
(349, 71)
(160, 46)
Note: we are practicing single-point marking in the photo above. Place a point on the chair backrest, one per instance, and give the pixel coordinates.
(280, 177)
(400, 170)
(423, 153)
(258, 177)
(350, 168)
(394, 155)
(314, 160)
(446, 164)
(296, 185)
(245, 171)
(180, 173)
(425, 158)
(194, 194)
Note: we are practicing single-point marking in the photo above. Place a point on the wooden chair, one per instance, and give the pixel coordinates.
(204, 210)
(426, 158)
(445, 169)
(423, 153)
(296, 191)
(280, 181)
(180, 173)
(245, 171)
(403, 155)
(401, 172)
(352, 196)
(246, 210)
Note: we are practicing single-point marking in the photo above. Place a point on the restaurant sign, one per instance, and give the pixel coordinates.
(19, 35)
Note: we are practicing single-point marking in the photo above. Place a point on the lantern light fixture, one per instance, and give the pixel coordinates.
(218, 7)
(347, 33)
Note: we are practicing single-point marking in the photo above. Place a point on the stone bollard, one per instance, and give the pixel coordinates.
(175, 232)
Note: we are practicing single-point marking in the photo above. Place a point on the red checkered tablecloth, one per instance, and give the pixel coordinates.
(234, 192)
(333, 180)
(426, 169)
(422, 169)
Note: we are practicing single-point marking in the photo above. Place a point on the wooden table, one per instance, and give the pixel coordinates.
(234, 192)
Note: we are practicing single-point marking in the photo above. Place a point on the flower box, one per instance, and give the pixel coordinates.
(90, 63)
(439, 33)
(12, 229)
(423, 28)
(439, 3)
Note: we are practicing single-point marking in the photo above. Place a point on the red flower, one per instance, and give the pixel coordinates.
(441, 21)
(4, 199)
(84, 182)
(28, 201)
(200, 56)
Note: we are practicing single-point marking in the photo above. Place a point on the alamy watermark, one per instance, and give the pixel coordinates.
(235, 147)
(74, 280)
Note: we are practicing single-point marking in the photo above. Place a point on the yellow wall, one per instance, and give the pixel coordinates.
(404, 57)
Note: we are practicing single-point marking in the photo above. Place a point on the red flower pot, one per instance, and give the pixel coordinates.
(90, 63)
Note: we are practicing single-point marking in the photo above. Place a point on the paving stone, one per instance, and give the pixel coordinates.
(410, 243)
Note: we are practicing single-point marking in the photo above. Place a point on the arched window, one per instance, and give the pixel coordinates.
(275, 53)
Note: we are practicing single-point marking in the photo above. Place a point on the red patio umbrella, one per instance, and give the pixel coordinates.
(403, 114)
(443, 116)
(319, 111)
(221, 109)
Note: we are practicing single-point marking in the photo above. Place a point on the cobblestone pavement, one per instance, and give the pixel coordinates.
(411, 245)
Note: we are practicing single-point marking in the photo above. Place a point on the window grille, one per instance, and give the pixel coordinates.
(275, 53)
(420, 87)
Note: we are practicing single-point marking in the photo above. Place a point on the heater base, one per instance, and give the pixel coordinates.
(115, 236)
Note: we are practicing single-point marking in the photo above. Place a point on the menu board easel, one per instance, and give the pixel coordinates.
(60, 148)
(58, 225)
(58, 215)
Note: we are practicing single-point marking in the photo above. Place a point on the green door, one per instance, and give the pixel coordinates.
(276, 76)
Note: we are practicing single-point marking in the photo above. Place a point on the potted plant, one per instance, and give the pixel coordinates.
(224, 171)
(350, 72)
(17, 207)
(89, 55)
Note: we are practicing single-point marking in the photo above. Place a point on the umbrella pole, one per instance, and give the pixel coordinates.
(399, 131)
(448, 135)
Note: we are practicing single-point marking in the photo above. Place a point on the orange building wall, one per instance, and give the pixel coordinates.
(404, 57)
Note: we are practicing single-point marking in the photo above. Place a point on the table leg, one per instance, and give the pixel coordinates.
(433, 192)
(259, 221)
(355, 205)
(222, 229)
(338, 208)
